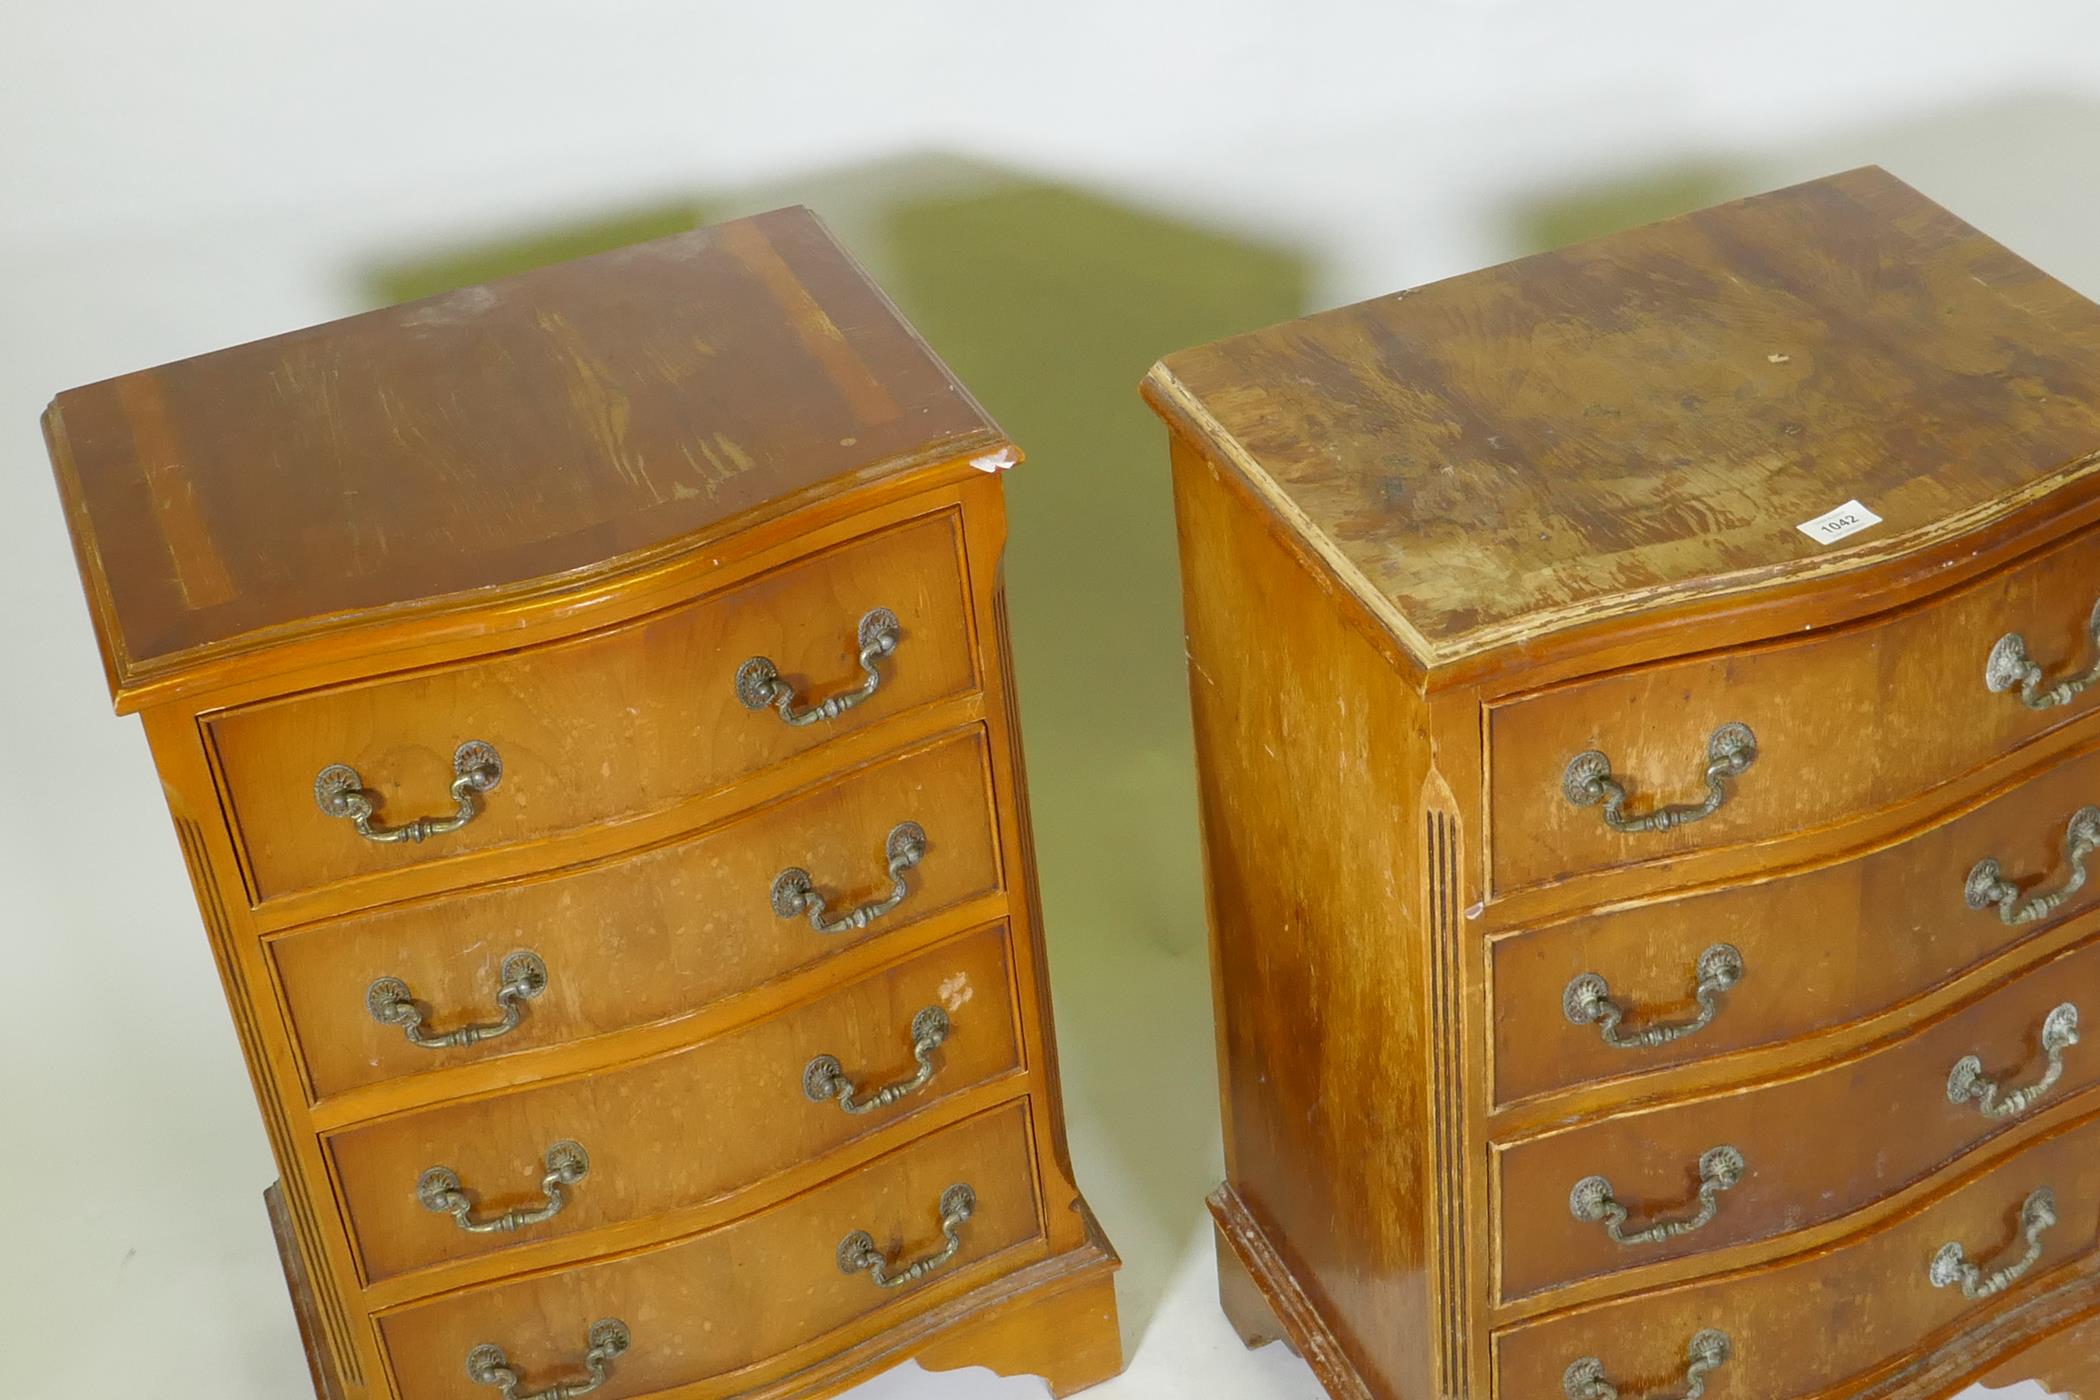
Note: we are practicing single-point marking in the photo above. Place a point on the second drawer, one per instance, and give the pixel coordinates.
(641, 938)
(1805, 1150)
(758, 1101)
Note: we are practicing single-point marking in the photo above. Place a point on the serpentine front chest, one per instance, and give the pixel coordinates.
(1647, 702)
(584, 704)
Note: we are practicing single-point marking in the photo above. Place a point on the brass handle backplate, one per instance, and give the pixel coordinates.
(1968, 1081)
(392, 1004)
(1591, 1201)
(476, 769)
(858, 1254)
(1587, 781)
(1587, 1001)
(440, 1191)
(825, 1079)
(759, 686)
(2009, 667)
(1951, 1267)
(795, 890)
(488, 1365)
(1987, 886)
(1707, 1352)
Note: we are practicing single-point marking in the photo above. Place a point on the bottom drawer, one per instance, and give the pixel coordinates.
(1825, 1323)
(735, 1297)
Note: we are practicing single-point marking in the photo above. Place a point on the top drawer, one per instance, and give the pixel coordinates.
(1749, 745)
(615, 723)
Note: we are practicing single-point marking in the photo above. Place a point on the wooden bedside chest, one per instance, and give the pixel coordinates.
(1647, 702)
(585, 708)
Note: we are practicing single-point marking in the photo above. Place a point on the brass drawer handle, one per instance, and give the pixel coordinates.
(487, 1365)
(392, 1004)
(1968, 1081)
(1708, 1351)
(795, 892)
(476, 767)
(1950, 1266)
(825, 1078)
(440, 1191)
(858, 1254)
(1588, 1000)
(1719, 1170)
(1987, 886)
(1587, 781)
(2009, 666)
(758, 682)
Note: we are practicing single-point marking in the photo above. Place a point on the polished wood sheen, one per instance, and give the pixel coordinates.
(557, 515)
(1437, 545)
(658, 694)
(580, 418)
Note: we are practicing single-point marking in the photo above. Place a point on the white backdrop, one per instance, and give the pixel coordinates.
(177, 177)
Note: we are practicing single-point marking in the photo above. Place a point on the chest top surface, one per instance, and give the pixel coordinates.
(565, 422)
(1590, 432)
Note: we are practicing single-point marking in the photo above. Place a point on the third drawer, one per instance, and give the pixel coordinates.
(758, 1101)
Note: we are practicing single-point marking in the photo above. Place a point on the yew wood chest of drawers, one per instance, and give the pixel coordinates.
(584, 704)
(1647, 702)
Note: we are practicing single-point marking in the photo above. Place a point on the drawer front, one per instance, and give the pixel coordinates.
(704, 1308)
(1822, 1323)
(618, 1140)
(1754, 1163)
(622, 722)
(1843, 723)
(1815, 949)
(642, 938)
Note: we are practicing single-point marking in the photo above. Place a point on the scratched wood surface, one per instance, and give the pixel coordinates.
(1593, 431)
(1386, 689)
(567, 419)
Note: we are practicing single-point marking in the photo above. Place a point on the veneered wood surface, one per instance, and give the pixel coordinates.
(748, 1294)
(651, 936)
(1067, 1337)
(1846, 722)
(1390, 937)
(610, 725)
(1649, 416)
(1822, 947)
(1323, 1038)
(562, 423)
(1816, 1147)
(752, 1077)
(639, 857)
(1826, 1322)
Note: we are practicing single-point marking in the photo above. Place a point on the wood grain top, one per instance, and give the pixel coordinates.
(559, 425)
(1650, 416)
